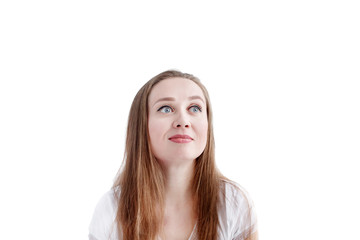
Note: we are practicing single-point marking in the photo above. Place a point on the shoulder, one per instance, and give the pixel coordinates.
(102, 225)
(236, 210)
(235, 195)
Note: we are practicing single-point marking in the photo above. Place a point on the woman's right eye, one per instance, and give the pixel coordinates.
(165, 109)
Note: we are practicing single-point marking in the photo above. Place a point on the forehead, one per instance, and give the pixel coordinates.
(178, 88)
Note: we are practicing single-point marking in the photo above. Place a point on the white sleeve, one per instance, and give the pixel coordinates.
(245, 216)
(102, 223)
(91, 237)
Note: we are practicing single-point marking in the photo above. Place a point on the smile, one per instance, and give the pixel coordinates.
(181, 139)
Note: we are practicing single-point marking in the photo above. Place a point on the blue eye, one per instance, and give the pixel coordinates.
(165, 109)
(195, 109)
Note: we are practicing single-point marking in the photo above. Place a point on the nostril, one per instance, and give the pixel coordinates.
(187, 126)
(178, 125)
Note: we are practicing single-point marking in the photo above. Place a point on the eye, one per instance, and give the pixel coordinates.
(195, 109)
(165, 109)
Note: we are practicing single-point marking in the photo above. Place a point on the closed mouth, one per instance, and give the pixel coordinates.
(178, 136)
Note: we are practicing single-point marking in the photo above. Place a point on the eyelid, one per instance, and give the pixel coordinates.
(196, 105)
(163, 106)
(192, 105)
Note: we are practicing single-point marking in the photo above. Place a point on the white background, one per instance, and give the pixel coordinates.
(283, 78)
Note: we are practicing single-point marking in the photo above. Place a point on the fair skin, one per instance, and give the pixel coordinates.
(178, 132)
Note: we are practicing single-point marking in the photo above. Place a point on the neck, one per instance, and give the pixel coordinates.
(178, 185)
(179, 199)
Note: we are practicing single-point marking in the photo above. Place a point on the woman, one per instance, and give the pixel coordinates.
(169, 187)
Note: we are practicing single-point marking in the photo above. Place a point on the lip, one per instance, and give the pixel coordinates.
(181, 138)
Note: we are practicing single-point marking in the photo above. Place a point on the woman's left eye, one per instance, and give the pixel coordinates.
(195, 109)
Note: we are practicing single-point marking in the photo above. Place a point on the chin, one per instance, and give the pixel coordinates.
(176, 159)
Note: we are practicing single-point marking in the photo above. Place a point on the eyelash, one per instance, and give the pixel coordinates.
(198, 107)
(164, 107)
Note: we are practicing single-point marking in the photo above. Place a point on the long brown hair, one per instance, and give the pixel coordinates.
(141, 179)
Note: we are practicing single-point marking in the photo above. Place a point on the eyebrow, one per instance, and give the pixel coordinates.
(173, 99)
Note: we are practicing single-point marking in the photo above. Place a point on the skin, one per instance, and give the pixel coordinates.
(174, 108)
(253, 236)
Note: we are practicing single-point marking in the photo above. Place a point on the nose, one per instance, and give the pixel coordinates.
(180, 125)
(181, 121)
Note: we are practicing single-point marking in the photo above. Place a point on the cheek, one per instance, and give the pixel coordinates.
(157, 133)
(203, 130)
(156, 130)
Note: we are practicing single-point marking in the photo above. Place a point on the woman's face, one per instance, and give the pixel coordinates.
(178, 122)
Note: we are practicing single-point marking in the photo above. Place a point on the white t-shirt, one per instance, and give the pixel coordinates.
(235, 211)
